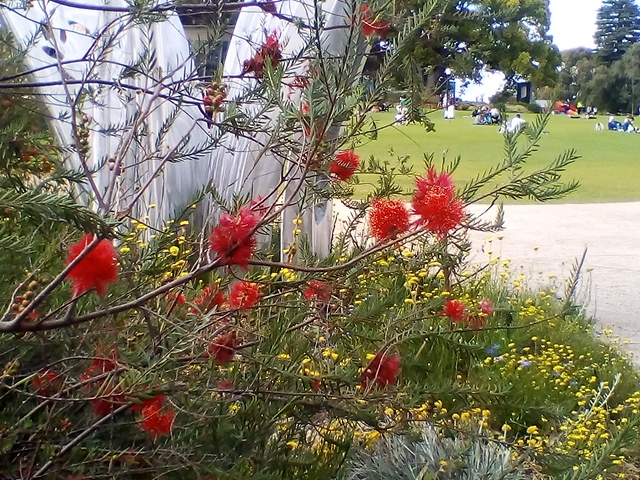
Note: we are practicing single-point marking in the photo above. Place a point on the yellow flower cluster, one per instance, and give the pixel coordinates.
(585, 431)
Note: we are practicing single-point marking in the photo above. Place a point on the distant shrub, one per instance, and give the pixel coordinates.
(533, 107)
(516, 108)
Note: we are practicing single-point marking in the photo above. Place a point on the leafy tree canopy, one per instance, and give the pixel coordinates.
(618, 27)
(505, 35)
(612, 88)
(577, 70)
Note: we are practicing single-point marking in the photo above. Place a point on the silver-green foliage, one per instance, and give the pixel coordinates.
(431, 456)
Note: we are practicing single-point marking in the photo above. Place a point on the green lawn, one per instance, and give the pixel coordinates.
(608, 170)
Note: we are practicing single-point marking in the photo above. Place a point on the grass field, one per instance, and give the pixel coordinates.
(608, 170)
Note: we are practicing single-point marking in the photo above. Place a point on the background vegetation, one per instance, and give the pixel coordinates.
(606, 78)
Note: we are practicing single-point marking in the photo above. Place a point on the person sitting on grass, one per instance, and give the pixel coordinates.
(614, 124)
(516, 124)
(482, 116)
(628, 125)
(494, 115)
(401, 114)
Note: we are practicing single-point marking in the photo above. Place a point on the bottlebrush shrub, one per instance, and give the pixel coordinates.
(208, 356)
(300, 367)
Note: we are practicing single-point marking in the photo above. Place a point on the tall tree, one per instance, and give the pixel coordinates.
(578, 66)
(612, 88)
(618, 27)
(471, 35)
(606, 90)
(629, 67)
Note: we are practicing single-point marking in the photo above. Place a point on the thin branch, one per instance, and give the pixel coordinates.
(88, 431)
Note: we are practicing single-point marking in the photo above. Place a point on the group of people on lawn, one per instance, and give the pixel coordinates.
(487, 116)
(482, 116)
(626, 126)
(491, 116)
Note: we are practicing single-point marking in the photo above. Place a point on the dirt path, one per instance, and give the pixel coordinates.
(544, 241)
(550, 238)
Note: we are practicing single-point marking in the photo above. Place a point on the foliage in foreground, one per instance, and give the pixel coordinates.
(176, 353)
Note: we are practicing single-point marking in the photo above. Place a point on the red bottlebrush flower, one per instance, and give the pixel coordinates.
(382, 370)
(102, 364)
(234, 240)
(226, 384)
(108, 394)
(318, 290)
(46, 383)
(305, 108)
(371, 26)
(177, 297)
(259, 206)
(96, 270)
(272, 45)
(300, 82)
(316, 384)
(344, 165)
(455, 310)
(388, 219)
(433, 178)
(156, 399)
(436, 203)
(269, 51)
(486, 307)
(153, 421)
(223, 348)
(244, 295)
(108, 402)
(210, 298)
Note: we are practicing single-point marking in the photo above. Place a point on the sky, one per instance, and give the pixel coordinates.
(573, 23)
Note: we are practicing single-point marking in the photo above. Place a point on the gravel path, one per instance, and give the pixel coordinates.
(550, 238)
(544, 242)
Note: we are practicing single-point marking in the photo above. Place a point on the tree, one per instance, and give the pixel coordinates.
(630, 66)
(606, 90)
(613, 88)
(618, 27)
(577, 70)
(469, 36)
